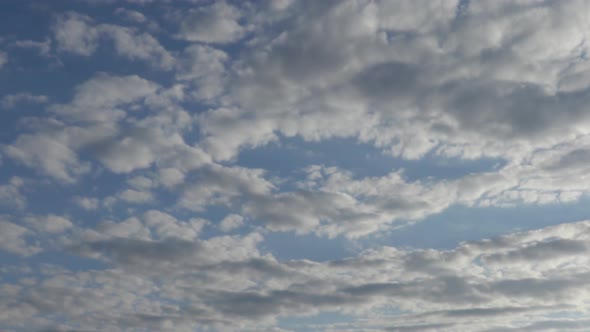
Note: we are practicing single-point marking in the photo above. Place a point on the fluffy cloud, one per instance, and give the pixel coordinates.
(173, 223)
(215, 23)
(48, 154)
(73, 33)
(13, 239)
(78, 34)
(231, 222)
(98, 98)
(227, 283)
(49, 224)
(87, 203)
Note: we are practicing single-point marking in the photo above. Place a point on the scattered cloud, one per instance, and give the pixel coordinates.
(184, 151)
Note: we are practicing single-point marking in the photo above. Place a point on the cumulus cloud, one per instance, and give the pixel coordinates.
(79, 34)
(231, 222)
(204, 67)
(87, 203)
(13, 239)
(214, 23)
(48, 154)
(49, 224)
(73, 33)
(98, 98)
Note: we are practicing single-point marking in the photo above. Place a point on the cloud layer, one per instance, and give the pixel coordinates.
(152, 151)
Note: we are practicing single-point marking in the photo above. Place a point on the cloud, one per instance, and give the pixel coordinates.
(87, 203)
(225, 282)
(49, 223)
(140, 46)
(98, 98)
(204, 67)
(73, 33)
(43, 47)
(13, 239)
(214, 23)
(180, 234)
(9, 101)
(3, 59)
(48, 154)
(131, 15)
(231, 222)
(136, 196)
(78, 34)
(11, 195)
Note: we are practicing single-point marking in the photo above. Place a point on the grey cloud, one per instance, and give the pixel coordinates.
(549, 325)
(420, 327)
(133, 251)
(542, 250)
(225, 282)
(9, 101)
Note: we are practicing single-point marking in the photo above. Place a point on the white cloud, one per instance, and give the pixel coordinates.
(136, 196)
(220, 185)
(78, 34)
(12, 239)
(230, 222)
(87, 203)
(518, 280)
(424, 81)
(205, 67)
(165, 226)
(47, 153)
(141, 46)
(49, 223)
(74, 33)
(214, 23)
(99, 98)
(11, 195)
(169, 177)
(131, 15)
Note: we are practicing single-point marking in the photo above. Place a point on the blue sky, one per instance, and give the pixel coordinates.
(357, 165)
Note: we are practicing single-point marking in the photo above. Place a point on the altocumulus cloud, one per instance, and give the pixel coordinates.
(247, 165)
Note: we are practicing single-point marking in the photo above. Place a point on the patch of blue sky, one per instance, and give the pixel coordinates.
(71, 262)
(290, 246)
(461, 223)
(447, 229)
(289, 156)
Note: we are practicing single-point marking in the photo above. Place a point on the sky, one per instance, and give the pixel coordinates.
(350, 165)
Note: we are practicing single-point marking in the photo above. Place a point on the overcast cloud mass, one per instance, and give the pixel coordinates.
(286, 165)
